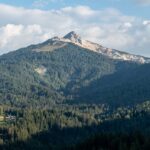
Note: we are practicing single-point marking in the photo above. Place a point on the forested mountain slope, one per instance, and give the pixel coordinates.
(126, 87)
(22, 78)
(62, 95)
(40, 76)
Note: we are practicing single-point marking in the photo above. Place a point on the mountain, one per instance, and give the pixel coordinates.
(74, 38)
(71, 70)
(28, 76)
(60, 93)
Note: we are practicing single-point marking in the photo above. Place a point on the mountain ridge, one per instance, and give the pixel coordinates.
(42, 75)
(72, 37)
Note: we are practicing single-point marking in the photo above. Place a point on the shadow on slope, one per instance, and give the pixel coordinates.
(127, 87)
(114, 134)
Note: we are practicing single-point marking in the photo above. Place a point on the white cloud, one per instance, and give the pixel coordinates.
(16, 36)
(146, 22)
(20, 27)
(82, 11)
(8, 32)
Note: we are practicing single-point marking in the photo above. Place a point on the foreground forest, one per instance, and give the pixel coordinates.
(77, 127)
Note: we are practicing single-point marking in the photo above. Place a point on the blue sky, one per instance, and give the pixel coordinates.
(130, 7)
(119, 24)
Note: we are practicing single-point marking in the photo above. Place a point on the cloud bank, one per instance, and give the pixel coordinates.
(20, 27)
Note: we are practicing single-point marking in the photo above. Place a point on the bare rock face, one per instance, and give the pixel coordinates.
(41, 70)
(73, 37)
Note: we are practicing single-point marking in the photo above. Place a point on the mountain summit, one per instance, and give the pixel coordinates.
(73, 38)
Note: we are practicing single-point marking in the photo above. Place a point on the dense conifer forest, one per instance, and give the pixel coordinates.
(72, 99)
(76, 127)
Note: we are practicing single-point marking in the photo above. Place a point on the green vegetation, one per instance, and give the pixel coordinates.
(72, 73)
(132, 141)
(65, 126)
(81, 100)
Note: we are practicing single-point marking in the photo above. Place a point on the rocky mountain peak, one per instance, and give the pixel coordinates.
(73, 37)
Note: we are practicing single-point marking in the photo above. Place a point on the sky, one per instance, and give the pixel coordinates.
(120, 24)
